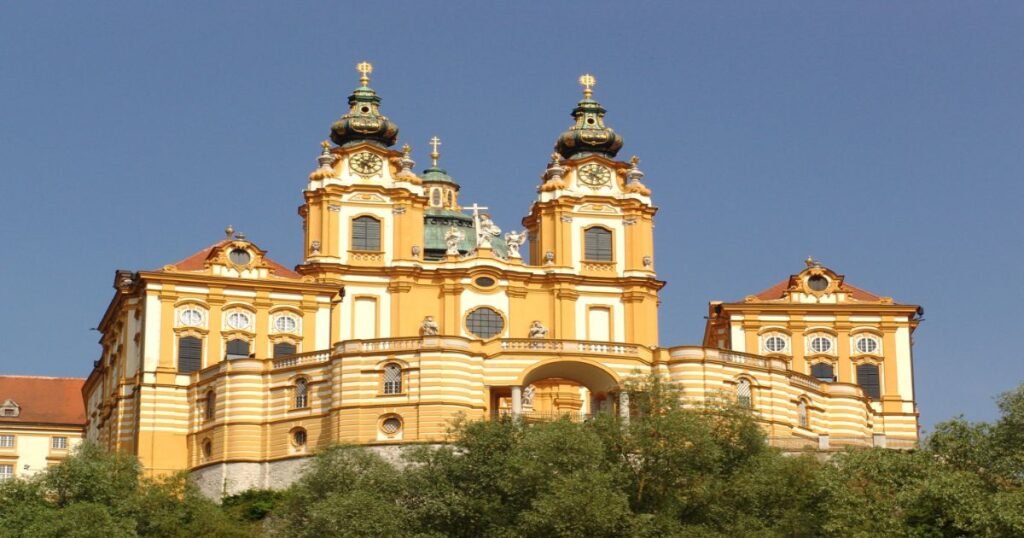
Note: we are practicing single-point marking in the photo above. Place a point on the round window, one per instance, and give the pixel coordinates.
(286, 324)
(817, 283)
(484, 282)
(821, 344)
(238, 320)
(191, 317)
(240, 256)
(867, 345)
(775, 344)
(391, 425)
(485, 322)
(299, 438)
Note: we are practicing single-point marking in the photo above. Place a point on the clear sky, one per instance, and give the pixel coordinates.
(884, 139)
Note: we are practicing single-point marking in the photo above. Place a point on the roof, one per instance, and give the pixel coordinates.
(53, 400)
(197, 261)
(778, 291)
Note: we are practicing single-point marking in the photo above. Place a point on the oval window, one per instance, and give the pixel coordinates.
(240, 256)
(484, 281)
(775, 344)
(391, 425)
(817, 283)
(821, 344)
(867, 345)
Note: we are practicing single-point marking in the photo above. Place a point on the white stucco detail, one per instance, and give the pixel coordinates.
(739, 341)
(151, 336)
(350, 318)
(583, 318)
(612, 222)
(903, 366)
(323, 329)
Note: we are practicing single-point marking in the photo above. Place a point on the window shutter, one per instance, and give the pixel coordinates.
(823, 371)
(597, 245)
(190, 354)
(867, 378)
(284, 348)
(366, 234)
(238, 349)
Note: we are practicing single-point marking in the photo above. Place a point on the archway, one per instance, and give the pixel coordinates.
(561, 387)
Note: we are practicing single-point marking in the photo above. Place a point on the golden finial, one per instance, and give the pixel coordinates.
(406, 150)
(325, 147)
(229, 231)
(434, 142)
(587, 81)
(364, 68)
(635, 161)
(809, 262)
(555, 157)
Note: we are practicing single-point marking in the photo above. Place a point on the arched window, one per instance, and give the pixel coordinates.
(597, 244)
(743, 393)
(823, 371)
(301, 393)
(284, 348)
(451, 199)
(238, 349)
(435, 197)
(190, 354)
(867, 378)
(207, 449)
(801, 414)
(211, 405)
(392, 379)
(366, 234)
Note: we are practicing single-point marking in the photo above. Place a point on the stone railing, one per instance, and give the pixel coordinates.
(740, 358)
(569, 346)
(805, 381)
(302, 358)
(380, 344)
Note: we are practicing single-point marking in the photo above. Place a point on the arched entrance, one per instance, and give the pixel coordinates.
(559, 387)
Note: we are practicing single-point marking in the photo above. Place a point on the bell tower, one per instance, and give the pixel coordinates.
(593, 217)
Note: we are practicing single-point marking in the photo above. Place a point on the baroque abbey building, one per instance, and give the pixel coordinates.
(411, 307)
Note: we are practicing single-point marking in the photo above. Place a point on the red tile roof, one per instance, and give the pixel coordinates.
(778, 292)
(197, 262)
(53, 400)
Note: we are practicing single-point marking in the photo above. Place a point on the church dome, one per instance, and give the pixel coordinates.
(364, 122)
(589, 134)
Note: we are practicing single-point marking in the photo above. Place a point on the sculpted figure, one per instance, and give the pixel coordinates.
(487, 231)
(452, 240)
(429, 326)
(527, 397)
(514, 240)
(538, 330)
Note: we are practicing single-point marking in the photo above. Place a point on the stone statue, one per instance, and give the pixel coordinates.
(538, 330)
(527, 398)
(452, 239)
(429, 326)
(648, 261)
(514, 240)
(314, 247)
(549, 258)
(486, 232)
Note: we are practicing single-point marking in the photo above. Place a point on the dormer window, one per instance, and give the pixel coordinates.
(240, 256)
(10, 409)
(817, 283)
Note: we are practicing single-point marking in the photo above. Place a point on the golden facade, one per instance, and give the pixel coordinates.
(411, 308)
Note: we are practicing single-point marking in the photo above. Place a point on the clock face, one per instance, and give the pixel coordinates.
(594, 175)
(366, 164)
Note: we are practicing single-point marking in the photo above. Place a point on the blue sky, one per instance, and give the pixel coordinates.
(884, 139)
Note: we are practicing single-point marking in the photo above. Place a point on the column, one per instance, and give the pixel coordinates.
(624, 406)
(517, 401)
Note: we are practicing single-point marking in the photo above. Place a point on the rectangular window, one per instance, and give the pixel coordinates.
(366, 234)
(190, 354)
(284, 348)
(6, 471)
(6, 441)
(60, 443)
(9, 412)
(599, 323)
(867, 378)
(237, 349)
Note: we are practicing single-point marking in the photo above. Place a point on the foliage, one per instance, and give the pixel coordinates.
(674, 469)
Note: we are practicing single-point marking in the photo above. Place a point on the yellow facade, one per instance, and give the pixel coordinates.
(410, 309)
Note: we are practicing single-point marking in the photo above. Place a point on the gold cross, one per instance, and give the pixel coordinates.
(364, 68)
(434, 154)
(587, 81)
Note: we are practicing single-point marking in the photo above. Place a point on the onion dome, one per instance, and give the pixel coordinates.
(364, 122)
(589, 134)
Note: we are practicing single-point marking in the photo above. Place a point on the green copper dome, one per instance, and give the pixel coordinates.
(364, 122)
(437, 175)
(589, 134)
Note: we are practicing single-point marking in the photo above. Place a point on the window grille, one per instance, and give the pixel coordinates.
(823, 371)
(391, 425)
(597, 245)
(485, 322)
(821, 344)
(775, 344)
(366, 234)
(190, 354)
(392, 379)
(867, 378)
(6, 441)
(60, 443)
(299, 438)
(743, 393)
(867, 344)
(301, 393)
(238, 349)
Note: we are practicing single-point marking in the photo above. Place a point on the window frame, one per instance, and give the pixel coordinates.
(392, 387)
(468, 326)
(210, 406)
(300, 393)
(6, 476)
(198, 359)
(4, 440)
(745, 401)
(229, 355)
(832, 369)
(878, 378)
(54, 442)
